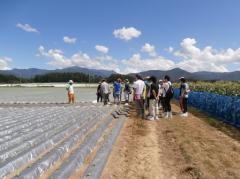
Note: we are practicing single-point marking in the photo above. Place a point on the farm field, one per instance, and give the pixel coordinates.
(196, 147)
(225, 88)
(42, 141)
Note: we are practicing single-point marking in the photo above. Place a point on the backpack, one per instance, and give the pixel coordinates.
(169, 92)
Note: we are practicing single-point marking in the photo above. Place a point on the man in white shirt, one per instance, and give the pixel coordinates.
(105, 88)
(138, 87)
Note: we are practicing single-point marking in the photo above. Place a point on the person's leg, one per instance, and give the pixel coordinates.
(156, 109)
(151, 107)
(69, 98)
(184, 105)
(181, 103)
(73, 98)
(104, 99)
(98, 97)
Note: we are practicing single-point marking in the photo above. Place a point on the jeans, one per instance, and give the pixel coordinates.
(167, 105)
(184, 103)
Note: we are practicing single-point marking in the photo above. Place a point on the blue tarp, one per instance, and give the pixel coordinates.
(225, 108)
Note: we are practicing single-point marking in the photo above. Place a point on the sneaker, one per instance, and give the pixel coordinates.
(156, 118)
(184, 114)
(150, 118)
(170, 115)
(167, 115)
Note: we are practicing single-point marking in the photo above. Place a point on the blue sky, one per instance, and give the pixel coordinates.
(149, 34)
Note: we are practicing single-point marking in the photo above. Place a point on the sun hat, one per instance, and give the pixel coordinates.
(70, 82)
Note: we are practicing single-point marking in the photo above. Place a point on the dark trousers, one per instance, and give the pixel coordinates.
(184, 102)
(167, 105)
(99, 97)
(139, 107)
(105, 98)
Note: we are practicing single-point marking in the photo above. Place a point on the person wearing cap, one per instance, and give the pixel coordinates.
(183, 96)
(127, 91)
(70, 90)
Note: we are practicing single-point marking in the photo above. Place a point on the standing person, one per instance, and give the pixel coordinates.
(167, 96)
(146, 95)
(153, 102)
(117, 91)
(138, 87)
(105, 88)
(127, 91)
(160, 95)
(184, 91)
(70, 90)
(99, 92)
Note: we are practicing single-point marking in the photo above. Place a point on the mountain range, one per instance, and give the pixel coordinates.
(32, 72)
(173, 73)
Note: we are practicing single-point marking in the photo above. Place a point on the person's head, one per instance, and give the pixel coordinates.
(126, 81)
(182, 80)
(166, 78)
(119, 80)
(153, 79)
(70, 82)
(160, 81)
(138, 77)
(103, 80)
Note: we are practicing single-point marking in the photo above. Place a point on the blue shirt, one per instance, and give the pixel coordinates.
(117, 87)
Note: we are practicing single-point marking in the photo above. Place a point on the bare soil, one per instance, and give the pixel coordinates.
(177, 148)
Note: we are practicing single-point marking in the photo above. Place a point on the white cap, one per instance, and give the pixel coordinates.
(70, 81)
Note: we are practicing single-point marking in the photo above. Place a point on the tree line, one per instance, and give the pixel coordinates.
(63, 77)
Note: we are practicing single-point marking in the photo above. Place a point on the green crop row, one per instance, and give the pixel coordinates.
(220, 87)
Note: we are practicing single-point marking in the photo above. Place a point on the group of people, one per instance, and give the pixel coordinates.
(149, 95)
(119, 87)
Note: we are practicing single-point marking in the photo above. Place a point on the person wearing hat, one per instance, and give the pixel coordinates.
(70, 90)
(127, 91)
(183, 96)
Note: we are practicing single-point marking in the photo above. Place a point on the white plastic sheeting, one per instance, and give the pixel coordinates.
(51, 130)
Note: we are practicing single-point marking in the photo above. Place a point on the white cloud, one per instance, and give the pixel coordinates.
(190, 58)
(137, 64)
(4, 63)
(150, 49)
(206, 59)
(26, 27)
(69, 40)
(101, 48)
(126, 33)
(58, 60)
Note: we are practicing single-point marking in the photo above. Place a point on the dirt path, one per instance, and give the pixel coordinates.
(177, 148)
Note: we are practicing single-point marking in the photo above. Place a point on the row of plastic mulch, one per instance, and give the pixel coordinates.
(225, 108)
